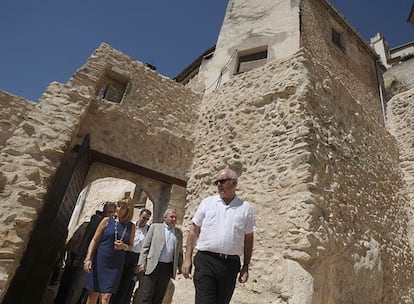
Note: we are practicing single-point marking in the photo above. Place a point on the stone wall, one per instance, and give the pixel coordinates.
(14, 110)
(152, 125)
(324, 182)
(400, 113)
(400, 77)
(361, 236)
(354, 67)
(27, 165)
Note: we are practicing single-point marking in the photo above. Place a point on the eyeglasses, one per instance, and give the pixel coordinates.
(222, 181)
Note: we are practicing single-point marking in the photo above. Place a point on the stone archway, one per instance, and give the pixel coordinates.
(155, 187)
(148, 132)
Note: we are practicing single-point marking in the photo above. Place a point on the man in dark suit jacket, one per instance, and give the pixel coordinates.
(161, 256)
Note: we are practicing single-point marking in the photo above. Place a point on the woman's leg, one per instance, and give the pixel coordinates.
(105, 298)
(92, 297)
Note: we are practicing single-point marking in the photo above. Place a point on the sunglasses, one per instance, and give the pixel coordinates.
(222, 181)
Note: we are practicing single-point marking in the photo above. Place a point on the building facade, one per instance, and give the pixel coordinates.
(290, 98)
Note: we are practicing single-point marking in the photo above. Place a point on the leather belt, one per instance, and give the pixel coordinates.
(222, 255)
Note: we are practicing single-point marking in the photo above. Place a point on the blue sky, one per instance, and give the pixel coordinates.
(48, 40)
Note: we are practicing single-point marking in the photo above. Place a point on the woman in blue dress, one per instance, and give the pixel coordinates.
(106, 253)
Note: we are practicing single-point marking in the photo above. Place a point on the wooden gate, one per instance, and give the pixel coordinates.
(49, 234)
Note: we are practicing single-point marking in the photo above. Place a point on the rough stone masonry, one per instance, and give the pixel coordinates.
(324, 180)
(331, 197)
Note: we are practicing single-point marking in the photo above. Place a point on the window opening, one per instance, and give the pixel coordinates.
(251, 61)
(112, 89)
(112, 93)
(338, 39)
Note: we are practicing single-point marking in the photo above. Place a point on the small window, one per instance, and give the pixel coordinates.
(112, 93)
(113, 87)
(251, 61)
(338, 39)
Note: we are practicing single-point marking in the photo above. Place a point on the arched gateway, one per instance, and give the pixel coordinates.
(114, 118)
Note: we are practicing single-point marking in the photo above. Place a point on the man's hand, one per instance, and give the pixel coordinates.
(191, 242)
(142, 268)
(186, 268)
(136, 269)
(244, 274)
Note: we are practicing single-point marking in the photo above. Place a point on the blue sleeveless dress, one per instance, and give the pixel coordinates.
(107, 263)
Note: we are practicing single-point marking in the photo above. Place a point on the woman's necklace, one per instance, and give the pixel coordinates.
(116, 231)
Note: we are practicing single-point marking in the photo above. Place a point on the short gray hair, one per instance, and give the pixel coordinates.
(230, 173)
(168, 211)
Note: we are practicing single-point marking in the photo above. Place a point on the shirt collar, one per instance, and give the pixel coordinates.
(168, 227)
(142, 228)
(234, 203)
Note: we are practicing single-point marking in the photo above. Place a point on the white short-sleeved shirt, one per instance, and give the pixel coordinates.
(223, 227)
(140, 233)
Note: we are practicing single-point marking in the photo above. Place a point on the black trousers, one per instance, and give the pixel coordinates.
(214, 278)
(126, 284)
(155, 284)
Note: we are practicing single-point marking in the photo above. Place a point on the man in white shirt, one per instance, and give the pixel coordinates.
(127, 283)
(222, 228)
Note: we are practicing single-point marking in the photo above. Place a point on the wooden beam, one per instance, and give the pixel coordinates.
(131, 167)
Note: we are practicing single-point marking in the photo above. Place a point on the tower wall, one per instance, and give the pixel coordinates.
(400, 110)
(323, 178)
(276, 28)
(354, 66)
